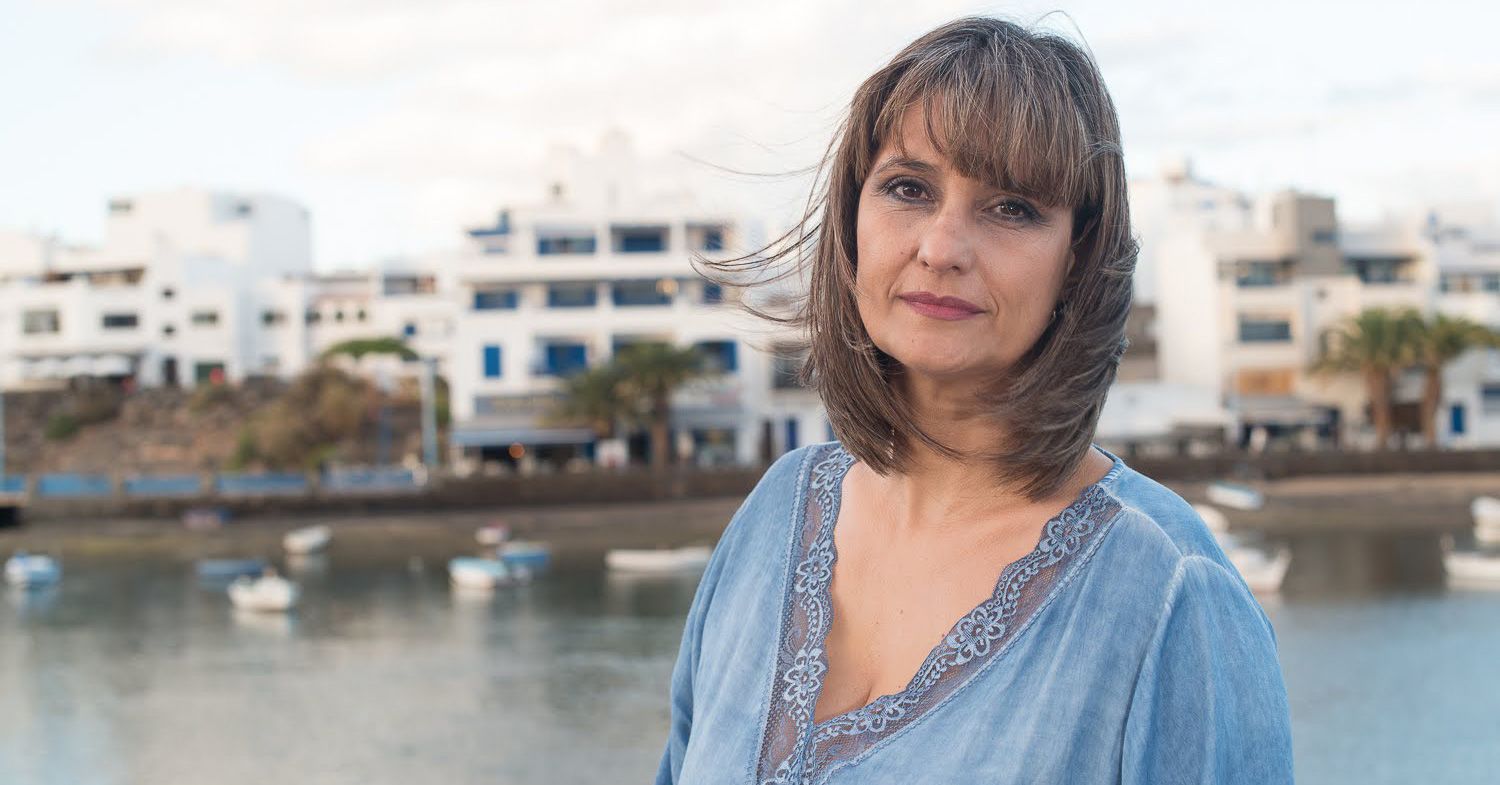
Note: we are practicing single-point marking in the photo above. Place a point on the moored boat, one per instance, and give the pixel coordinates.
(29, 570)
(269, 593)
(472, 572)
(1486, 512)
(309, 539)
(671, 560)
(1235, 495)
(533, 556)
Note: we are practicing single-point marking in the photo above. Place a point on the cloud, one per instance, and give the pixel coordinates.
(469, 94)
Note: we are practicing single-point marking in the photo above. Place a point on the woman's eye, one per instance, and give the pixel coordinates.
(1012, 208)
(906, 190)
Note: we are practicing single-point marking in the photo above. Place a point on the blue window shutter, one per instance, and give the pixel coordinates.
(492, 367)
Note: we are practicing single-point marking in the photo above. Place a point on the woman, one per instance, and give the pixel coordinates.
(970, 263)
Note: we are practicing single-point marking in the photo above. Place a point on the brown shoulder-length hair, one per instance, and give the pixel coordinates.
(1028, 112)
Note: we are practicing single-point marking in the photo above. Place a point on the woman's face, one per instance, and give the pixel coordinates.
(925, 230)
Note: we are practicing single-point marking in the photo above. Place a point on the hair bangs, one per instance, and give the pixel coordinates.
(999, 118)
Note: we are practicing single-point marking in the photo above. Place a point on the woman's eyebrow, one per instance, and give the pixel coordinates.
(903, 162)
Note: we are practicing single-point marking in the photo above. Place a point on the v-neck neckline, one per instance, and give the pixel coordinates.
(971, 641)
(937, 648)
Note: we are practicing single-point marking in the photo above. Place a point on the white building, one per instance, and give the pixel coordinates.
(170, 296)
(597, 265)
(1245, 307)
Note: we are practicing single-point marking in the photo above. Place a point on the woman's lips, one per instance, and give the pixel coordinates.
(944, 312)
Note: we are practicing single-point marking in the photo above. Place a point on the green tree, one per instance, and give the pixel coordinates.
(1376, 343)
(1437, 341)
(359, 347)
(598, 397)
(652, 372)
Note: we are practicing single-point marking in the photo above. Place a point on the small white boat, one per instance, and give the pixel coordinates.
(1262, 572)
(1486, 512)
(1235, 496)
(270, 593)
(310, 539)
(23, 569)
(1213, 518)
(471, 572)
(658, 561)
(1472, 567)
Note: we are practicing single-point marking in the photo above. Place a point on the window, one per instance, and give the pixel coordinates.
(644, 292)
(712, 293)
(1456, 419)
(1376, 271)
(491, 361)
(205, 318)
(572, 295)
(121, 206)
(718, 356)
(1261, 273)
(313, 316)
(496, 299)
(786, 364)
(338, 315)
(243, 210)
(1489, 399)
(409, 329)
(639, 239)
(565, 242)
(121, 321)
(1325, 236)
(1255, 329)
(167, 331)
(167, 293)
(208, 373)
(707, 237)
(713, 239)
(563, 359)
(1492, 282)
(40, 322)
(361, 315)
(271, 318)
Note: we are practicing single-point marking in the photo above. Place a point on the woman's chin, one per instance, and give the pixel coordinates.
(949, 369)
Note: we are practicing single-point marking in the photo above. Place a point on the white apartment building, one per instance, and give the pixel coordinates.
(562, 285)
(1244, 307)
(168, 298)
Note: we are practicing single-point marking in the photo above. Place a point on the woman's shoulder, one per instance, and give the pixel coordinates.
(1167, 542)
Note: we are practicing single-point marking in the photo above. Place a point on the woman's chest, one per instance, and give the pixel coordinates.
(893, 603)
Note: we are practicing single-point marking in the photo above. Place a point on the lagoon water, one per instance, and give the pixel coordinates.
(136, 673)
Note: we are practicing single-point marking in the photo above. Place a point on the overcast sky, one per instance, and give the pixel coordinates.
(398, 123)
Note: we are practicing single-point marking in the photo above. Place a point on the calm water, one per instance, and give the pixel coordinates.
(139, 674)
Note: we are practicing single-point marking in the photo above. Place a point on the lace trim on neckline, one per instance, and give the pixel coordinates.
(794, 749)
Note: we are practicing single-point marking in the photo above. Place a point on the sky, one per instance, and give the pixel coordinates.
(400, 123)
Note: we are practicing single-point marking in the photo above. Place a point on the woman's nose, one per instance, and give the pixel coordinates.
(947, 242)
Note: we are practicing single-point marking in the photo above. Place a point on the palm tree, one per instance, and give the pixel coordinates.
(359, 347)
(1438, 341)
(1375, 344)
(596, 396)
(653, 371)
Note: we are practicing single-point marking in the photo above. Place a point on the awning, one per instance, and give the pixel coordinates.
(478, 435)
(1280, 410)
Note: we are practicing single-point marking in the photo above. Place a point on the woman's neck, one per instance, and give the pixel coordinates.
(938, 493)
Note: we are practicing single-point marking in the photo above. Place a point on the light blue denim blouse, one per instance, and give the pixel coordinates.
(1125, 648)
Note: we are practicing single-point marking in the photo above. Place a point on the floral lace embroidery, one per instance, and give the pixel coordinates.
(799, 748)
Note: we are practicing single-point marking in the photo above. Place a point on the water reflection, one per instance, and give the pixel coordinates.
(138, 672)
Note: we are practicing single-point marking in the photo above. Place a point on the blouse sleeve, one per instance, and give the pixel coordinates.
(681, 695)
(1209, 705)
